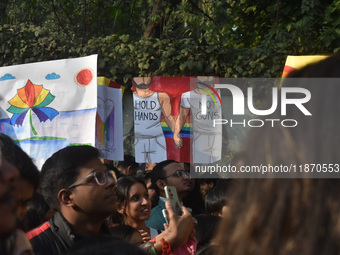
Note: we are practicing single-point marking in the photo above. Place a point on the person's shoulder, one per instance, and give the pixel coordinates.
(42, 240)
(37, 232)
(186, 94)
(163, 95)
(185, 99)
(160, 205)
(53, 237)
(156, 219)
(156, 209)
(156, 212)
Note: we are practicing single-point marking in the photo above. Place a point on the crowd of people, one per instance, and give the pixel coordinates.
(79, 204)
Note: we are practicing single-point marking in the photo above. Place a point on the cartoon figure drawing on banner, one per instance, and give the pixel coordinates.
(150, 146)
(207, 139)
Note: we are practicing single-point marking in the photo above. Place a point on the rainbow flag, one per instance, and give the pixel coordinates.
(185, 131)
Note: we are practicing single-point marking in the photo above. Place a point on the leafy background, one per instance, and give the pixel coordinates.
(233, 38)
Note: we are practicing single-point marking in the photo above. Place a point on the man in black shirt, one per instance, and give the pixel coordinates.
(80, 189)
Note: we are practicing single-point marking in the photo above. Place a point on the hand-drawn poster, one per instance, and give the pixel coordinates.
(159, 112)
(205, 105)
(109, 123)
(150, 146)
(46, 106)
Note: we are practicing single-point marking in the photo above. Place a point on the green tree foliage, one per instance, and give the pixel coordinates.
(233, 38)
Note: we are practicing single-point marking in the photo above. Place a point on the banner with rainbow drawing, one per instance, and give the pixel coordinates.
(157, 108)
(297, 62)
(175, 87)
(46, 106)
(149, 115)
(109, 122)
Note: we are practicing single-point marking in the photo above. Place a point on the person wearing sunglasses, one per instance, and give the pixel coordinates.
(167, 173)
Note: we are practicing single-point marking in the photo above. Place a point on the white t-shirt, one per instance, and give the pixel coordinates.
(147, 116)
(202, 123)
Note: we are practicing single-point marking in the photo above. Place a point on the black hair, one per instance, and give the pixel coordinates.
(208, 180)
(194, 199)
(62, 169)
(158, 172)
(206, 229)
(112, 167)
(141, 85)
(16, 156)
(37, 212)
(123, 232)
(129, 160)
(147, 176)
(122, 188)
(28, 171)
(217, 197)
(7, 147)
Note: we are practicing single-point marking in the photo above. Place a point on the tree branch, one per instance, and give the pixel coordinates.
(206, 15)
(151, 26)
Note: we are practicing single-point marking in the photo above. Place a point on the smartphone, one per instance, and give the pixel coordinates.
(171, 195)
(165, 215)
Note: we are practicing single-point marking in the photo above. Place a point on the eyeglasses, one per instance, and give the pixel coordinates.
(180, 174)
(99, 176)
